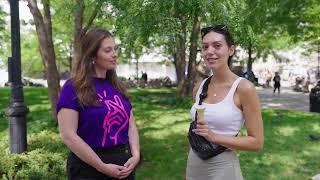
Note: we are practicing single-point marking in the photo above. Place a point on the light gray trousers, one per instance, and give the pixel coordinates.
(224, 166)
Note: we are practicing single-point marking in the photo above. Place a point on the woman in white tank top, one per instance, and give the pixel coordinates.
(231, 102)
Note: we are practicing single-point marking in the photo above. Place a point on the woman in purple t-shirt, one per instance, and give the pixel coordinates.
(95, 114)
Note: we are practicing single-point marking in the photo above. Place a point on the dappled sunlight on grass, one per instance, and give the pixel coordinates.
(163, 121)
(286, 136)
(287, 131)
(272, 166)
(316, 127)
(148, 92)
(39, 107)
(288, 152)
(163, 158)
(163, 131)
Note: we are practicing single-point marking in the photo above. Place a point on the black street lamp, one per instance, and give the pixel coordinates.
(17, 110)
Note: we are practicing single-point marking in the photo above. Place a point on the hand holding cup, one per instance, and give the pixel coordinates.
(200, 111)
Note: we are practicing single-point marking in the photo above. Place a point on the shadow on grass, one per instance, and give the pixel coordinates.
(287, 148)
(163, 121)
(152, 92)
(163, 158)
(4, 102)
(167, 100)
(39, 116)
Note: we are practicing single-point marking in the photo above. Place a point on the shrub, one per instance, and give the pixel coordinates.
(35, 164)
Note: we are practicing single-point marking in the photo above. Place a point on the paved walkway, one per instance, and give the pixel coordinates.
(288, 99)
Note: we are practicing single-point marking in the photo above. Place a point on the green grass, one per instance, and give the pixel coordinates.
(163, 120)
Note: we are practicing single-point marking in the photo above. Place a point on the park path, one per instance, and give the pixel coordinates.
(288, 99)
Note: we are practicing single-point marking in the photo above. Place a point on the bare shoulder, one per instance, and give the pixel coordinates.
(246, 87)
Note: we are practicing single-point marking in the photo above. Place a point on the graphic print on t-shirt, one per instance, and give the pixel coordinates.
(116, 119)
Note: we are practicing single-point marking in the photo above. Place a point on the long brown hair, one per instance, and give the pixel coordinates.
(83, 70)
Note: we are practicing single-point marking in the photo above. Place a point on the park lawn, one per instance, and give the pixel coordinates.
(163, 120)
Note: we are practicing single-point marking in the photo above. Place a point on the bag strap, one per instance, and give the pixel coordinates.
(204, 91)
(203, 94)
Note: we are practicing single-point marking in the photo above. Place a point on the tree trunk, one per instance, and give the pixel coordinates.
(137, 68)
(44, 32)
(70, 57)
(180, 64)
(250, 60)
(180, 51)
(78, 31)
(79, 28)
(192, 70)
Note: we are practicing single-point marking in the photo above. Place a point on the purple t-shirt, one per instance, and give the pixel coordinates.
(100, 126)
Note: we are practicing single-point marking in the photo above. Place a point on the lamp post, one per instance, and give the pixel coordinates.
(17, 110)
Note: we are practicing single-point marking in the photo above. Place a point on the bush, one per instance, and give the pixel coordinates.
(44, 160)
(36, 164)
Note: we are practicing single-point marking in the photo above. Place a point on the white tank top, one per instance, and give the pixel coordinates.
(223, 117)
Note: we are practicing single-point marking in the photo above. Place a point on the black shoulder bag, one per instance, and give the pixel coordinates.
(202, 147)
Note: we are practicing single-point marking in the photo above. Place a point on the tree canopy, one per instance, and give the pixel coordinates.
(260, 27)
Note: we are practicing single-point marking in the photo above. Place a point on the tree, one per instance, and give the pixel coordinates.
(268, 25)
(31, 63)
(43, 26)
(172, 25)
(4, 37)
(71, 21)
(80, 27)
(311, 25)
(2, 23)
(249, 20)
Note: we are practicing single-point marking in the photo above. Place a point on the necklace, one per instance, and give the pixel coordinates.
(214, 94)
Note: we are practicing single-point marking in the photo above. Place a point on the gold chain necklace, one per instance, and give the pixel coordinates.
(214, 94)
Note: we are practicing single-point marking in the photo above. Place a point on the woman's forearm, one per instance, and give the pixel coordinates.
(247, 143)
(134, 139)
(82, 150)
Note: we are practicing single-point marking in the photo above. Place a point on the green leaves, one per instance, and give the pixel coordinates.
(146, 24)
(4, 38)
(31, 63)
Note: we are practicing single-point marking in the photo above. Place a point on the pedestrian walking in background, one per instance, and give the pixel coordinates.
(276, 80)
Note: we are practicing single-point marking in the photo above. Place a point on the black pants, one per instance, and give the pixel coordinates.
(79, 170)
(275, 87)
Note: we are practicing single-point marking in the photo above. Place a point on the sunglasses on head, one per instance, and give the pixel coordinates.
(219, 27)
